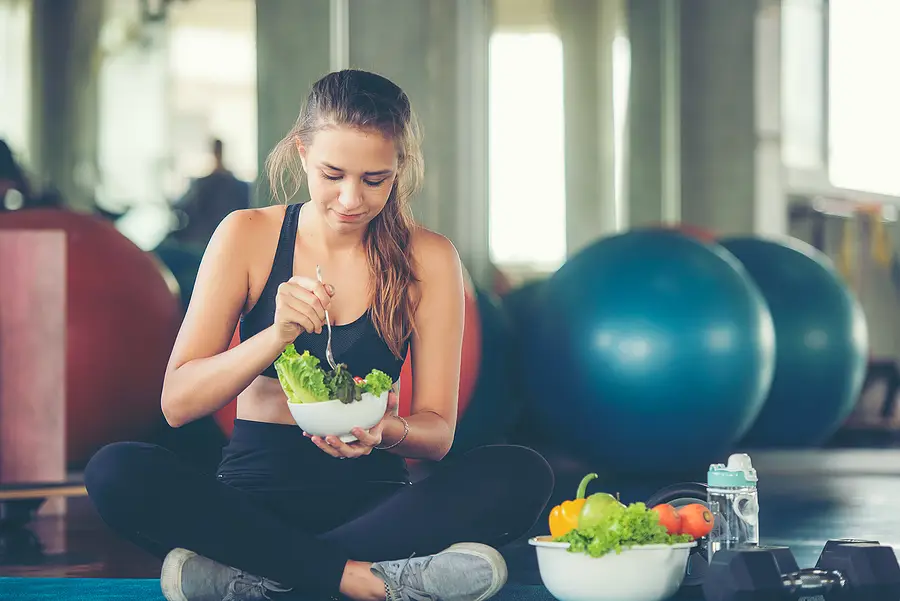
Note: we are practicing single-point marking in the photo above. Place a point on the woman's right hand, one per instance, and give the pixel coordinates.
(300, 307)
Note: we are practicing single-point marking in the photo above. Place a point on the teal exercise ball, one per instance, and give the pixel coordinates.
(821, 336)
(654, 351)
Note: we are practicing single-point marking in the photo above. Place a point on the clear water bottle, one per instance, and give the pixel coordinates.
(733, 500)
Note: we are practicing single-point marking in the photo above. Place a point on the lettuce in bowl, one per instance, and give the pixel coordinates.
(304, 381)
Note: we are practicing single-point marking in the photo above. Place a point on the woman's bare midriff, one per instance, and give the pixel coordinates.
(264, 401)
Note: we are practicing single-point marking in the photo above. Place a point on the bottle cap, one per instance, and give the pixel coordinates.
(738, 472)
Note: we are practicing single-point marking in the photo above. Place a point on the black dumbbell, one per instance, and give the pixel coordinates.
(847, 570)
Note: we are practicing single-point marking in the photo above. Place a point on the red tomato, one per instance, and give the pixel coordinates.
(669, 517)
(359, 380)
(696, 520)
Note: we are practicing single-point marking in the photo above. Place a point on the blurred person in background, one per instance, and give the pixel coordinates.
(208, 200)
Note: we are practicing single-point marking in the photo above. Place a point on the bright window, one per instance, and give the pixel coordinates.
(527, 159)
(15, 67)
(803, 84)
(864, 95)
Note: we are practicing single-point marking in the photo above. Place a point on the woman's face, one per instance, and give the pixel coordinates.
(351, 173)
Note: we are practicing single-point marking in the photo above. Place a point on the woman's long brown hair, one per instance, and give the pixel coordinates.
(367, 101)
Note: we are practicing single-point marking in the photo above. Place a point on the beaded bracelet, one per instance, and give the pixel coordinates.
(402, 438)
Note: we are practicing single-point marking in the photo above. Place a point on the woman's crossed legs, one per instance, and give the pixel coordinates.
(319, 543)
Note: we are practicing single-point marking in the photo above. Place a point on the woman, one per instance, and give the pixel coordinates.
(292, 515)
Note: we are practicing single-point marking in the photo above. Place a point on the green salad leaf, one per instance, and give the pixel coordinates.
(304, 380)
(301, 377)
(342, 386)
(377, 382)
(622, 528)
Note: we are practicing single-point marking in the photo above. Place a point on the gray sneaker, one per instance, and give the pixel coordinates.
(461, 572)
(187, 576)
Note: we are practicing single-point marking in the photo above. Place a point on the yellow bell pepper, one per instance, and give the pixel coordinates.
(564, 517)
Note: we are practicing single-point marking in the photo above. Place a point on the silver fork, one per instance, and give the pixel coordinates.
(328, 354)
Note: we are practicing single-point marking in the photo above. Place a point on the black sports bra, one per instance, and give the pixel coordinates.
(355, 344)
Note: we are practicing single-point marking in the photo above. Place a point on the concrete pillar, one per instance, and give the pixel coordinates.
(413, 43)
(717, 109)
(705, 122)
(654, 129)
(64, 93)
(292, 46)
(437, 52)
(588, 29)
(577, 22)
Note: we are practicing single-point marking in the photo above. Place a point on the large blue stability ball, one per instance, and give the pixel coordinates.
(821, 338)
(654, 351)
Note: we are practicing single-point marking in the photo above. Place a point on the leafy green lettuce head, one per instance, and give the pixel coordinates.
(377, 382)
(301, 377)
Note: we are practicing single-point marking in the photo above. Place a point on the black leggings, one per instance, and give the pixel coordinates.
(302, 539)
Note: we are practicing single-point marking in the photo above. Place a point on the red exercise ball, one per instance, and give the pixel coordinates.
(121, 323)
(469, 362)
(501, 285)
(692, 231)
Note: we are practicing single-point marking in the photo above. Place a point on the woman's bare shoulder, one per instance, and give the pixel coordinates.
(434, 255)
(249, 222)
(430, 248)
(243, 231)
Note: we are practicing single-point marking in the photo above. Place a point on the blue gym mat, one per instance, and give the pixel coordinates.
(103, 589)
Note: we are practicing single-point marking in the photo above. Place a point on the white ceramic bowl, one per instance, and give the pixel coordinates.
(642, 573)
(334, 418)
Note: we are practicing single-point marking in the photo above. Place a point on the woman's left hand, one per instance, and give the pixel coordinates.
(365, 441)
